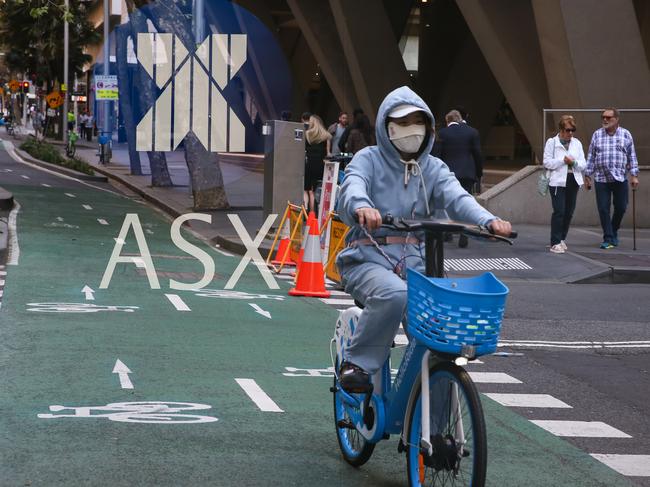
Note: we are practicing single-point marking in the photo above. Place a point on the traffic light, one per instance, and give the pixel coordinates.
(25, 86)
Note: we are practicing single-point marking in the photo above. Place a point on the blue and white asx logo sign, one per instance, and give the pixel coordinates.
(191, 98)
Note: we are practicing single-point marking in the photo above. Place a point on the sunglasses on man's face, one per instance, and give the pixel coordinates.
(605, 117)
(569, 130)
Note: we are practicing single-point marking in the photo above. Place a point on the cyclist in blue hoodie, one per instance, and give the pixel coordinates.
(400, 177)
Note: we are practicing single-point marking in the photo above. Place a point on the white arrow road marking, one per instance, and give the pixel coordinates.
(87, 207)
(178, 303)
(102, 221)
(88, 291)
(123, 372)
(260, 310)
(258, 396)
(69, 195)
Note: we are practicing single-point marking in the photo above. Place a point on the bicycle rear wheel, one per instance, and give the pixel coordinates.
(457, 429)
(354, 447)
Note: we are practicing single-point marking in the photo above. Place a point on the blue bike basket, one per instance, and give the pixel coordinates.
(459, 316)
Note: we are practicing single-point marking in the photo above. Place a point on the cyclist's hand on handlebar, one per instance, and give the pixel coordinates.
(500, 227)
(369, 218)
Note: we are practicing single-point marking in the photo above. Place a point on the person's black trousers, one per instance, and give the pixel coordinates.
(564, 204)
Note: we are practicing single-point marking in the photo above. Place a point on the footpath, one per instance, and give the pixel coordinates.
(528, 259)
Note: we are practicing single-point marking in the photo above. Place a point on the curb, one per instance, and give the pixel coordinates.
(6, 200)
(151, 199)
(60, 169)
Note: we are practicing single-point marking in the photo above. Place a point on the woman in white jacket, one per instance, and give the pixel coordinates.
(565, 162)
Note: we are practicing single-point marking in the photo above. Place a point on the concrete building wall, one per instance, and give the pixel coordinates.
(516, 199)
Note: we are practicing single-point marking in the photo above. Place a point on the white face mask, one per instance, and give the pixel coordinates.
(407, 139)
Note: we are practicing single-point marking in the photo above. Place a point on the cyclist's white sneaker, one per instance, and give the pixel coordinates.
(557, 249)
(563, 245)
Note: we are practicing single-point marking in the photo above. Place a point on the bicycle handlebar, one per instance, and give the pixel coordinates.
(441, 226)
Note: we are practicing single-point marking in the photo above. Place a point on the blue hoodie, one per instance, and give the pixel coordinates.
(375, 179)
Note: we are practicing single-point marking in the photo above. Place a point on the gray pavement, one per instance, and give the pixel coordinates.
(583, 263)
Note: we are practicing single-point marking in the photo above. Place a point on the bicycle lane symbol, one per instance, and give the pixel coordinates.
(135, 412)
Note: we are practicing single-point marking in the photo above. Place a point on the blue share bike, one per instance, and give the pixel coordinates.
(449, 322)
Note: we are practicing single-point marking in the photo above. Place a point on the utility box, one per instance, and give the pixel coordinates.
(284, 165)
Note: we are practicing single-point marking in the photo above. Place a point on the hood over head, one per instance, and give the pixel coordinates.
(400, 96)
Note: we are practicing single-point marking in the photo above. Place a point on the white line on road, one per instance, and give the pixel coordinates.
(630, 465)
(573, 345)
(87, 207)
(493, 378)
(582, 429)
(70, 195)
(123, 372)
(102, 221)
(178, 303)
(528, 400)
(336, 292)
(46, 185)
(258, 396)
(139, 262)
(24, 177)
(338, 301)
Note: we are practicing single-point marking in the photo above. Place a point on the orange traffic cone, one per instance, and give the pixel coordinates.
(282, 256)
(311, 222)
(311, 279)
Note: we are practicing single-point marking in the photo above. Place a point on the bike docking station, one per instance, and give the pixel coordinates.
(449, 322)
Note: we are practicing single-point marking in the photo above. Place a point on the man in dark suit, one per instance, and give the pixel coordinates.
(459, 146)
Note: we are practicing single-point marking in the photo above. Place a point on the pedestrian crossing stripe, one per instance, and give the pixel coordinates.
(580, 429)
(498, 264)
(630, 465)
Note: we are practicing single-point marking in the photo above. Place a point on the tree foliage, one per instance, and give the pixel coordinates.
(32, 37)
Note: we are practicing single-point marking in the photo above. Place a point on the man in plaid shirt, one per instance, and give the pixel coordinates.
(611, 155)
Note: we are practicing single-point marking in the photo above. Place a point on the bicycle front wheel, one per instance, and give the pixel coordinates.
(354, 447)
(457, 429)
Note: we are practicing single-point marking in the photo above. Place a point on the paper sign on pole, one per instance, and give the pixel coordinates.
(327, 202)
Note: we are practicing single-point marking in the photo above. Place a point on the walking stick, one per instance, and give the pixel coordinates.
(633, 218)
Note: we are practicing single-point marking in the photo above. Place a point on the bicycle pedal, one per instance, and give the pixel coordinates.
(345, 423)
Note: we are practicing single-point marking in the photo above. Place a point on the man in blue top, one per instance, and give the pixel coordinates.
(400, 177)
(611, 155)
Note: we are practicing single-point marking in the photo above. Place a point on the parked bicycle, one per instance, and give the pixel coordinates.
(105, 152)
(71, 146)
(450, 321)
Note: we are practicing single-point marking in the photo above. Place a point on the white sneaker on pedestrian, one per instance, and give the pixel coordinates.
(563, 245)
(557, 249)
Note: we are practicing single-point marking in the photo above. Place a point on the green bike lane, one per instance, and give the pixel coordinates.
(66, 358)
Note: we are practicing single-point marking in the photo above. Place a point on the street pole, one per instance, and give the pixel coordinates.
(107, 103)
(66, 42)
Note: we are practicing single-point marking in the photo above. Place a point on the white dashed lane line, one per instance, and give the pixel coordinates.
(258, 396)
(178, 303)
